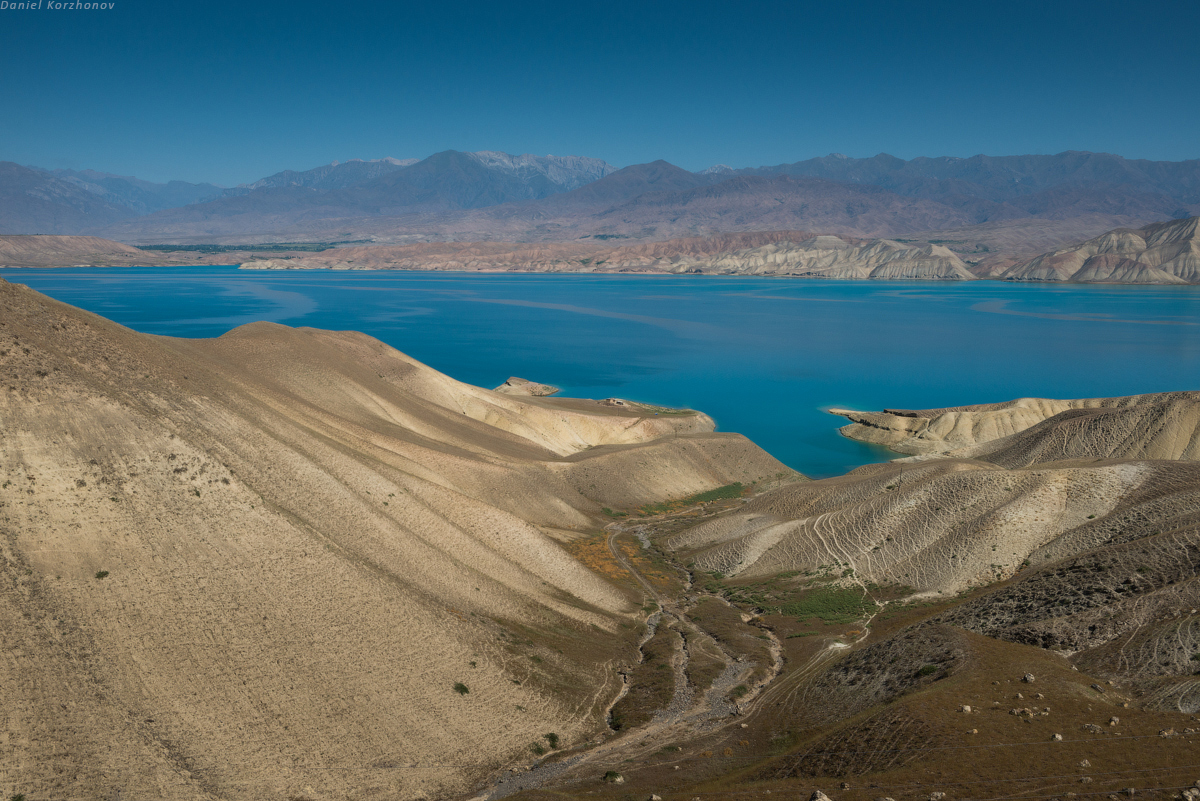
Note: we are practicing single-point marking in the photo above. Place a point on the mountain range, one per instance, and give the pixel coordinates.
(487, 195)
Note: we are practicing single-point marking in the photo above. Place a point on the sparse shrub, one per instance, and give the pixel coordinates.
(17, 797)
(537, 748)
(460, 688)
(101, 574)
(928, 670)
(552, 738)
(611, 776)
(739, 691)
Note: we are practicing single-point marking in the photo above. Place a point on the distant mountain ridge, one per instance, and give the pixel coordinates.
(36, 202)
(135, 194)
(490, 195)
(1001, 178)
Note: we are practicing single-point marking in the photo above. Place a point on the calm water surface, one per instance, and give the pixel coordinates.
(763, 356)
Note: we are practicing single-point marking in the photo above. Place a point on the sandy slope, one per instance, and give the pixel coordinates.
(942, 525)
(958, 429)
(1162, 253)
(309, 539)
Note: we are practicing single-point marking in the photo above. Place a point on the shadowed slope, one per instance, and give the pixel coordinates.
(257, 566)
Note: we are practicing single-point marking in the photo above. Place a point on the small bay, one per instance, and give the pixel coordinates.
(763, 356)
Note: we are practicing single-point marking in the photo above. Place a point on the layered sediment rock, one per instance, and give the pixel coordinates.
(1163, 253)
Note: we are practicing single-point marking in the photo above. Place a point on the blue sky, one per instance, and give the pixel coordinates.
(229, 92)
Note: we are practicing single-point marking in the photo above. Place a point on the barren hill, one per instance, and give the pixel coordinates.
(958, 429)
(260, 565)
(1079, 534)
(1162, 253)
(52, 251)
(790, 253)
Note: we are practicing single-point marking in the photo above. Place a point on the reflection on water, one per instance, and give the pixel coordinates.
(763, 369)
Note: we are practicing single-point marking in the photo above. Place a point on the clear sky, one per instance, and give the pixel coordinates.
(229, 92)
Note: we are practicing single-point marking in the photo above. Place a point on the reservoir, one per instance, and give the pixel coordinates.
(763, 356)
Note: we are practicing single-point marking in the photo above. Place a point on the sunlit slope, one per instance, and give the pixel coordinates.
(1091, 556)
(1155, 426)
(941, 525)
(309, 540)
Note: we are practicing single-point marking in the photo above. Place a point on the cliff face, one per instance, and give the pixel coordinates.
(1163, 253)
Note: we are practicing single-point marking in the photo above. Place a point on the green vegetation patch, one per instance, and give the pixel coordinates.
(815, 598)
(834, 605)
(727, 492)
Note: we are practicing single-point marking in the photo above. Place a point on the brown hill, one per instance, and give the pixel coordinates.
(54, 251)
(260, 565)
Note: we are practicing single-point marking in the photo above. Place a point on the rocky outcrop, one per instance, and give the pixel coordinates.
(521, 386)
(1163, 253)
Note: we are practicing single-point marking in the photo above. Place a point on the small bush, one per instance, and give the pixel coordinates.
(552, 738)
(460, 688)
(928, 670)
(101, 574)
(611, 776)
(537, 748)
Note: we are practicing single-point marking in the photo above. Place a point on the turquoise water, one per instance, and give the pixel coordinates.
(763, 356)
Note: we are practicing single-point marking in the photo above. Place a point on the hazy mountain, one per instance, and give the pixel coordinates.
(550, 197)
(140, 197)
(452, 180)
(632, 182)
(1004, 178)
(36, 202)
(337, 175)
(444, 182)
(568, 172)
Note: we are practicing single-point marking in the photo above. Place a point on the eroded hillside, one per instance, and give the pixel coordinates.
(1018, 624)
(290, 562)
